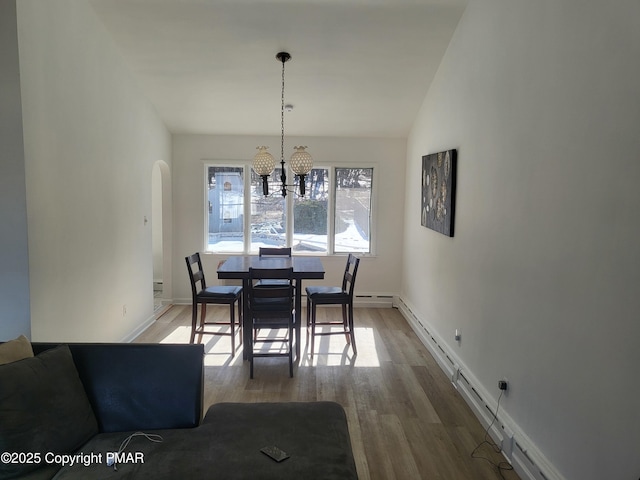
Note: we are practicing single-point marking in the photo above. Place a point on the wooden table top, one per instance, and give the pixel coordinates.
(303, 267)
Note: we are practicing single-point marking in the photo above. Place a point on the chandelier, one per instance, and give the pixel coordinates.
(301, 162)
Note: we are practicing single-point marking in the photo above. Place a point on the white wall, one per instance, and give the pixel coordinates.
(541, 99)
(14, 256)
(377, 274)
(91, 139)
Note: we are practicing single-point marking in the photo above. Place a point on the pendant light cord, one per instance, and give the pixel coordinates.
(283, 175)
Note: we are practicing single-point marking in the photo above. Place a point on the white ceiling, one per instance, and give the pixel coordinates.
(358, 67)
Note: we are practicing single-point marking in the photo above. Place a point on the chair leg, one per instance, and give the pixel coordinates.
(308, 318)
(352, 330)
(255, 335)
(203, 314)
(194, 319)
(345, 322)
(290, 351)
(232, 308)
(240, 318)
(203, 319)
(250, 357)
(313, 326)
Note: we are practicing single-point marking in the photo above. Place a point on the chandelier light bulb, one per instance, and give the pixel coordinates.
(301, 161)
(263, 165)
(263, 162)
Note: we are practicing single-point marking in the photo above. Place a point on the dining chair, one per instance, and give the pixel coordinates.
(343, 295)
(271, 307)
(273, 252)
(220, 295)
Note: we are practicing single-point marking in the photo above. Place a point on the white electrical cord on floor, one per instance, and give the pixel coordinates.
(152, 437)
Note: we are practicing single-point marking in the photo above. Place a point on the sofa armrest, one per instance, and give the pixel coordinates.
(140, 386)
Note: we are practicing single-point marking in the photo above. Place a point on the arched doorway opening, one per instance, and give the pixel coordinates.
(161, 235)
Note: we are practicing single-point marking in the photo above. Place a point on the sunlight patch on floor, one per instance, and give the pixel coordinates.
(330, 350)
(178, 335)
(333, 350)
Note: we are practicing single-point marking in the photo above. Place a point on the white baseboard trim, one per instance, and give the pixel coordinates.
(368, 300)
(374, 300)
(526, 459)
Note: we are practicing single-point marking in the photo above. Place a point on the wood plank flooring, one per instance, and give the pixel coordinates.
(406, 420)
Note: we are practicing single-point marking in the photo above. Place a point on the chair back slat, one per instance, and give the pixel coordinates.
(270, 273)
(195, 276)
(273, 300)
(198, 276)
(350, 272)
(274, 252)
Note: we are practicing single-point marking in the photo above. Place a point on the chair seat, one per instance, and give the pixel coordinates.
(319, 293)
(221, 292)
(270, 283)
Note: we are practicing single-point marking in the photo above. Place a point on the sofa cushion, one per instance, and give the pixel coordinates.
(227, 445)
(140, 386)
(14, 350)
(43, 408)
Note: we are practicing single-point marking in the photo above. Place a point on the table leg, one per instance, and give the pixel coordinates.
(298, 317)
(247, 327)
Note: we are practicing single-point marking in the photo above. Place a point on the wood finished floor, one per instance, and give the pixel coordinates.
(406, 420)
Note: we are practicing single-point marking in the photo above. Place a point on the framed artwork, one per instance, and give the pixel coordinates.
(439, 191)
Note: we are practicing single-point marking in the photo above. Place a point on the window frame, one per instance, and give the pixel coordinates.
(289, 204)
(372, 206)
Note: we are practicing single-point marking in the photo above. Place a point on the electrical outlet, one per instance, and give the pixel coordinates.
(458, 335)
(503, 384)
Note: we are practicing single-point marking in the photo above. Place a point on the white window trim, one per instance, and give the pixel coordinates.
(372, 212)
(246, 166)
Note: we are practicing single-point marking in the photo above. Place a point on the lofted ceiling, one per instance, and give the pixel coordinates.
(358, 68)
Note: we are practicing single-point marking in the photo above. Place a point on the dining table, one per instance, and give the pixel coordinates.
(304, 268)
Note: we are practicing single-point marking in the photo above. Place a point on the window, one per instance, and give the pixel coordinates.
(268, 214)
(225, 202)
(333, 217)
(310, 214)
(353, 210)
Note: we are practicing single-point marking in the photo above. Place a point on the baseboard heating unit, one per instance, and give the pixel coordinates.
(528, 462)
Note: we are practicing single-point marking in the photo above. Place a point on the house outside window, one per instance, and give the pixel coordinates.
(225, 208)
(268, 217)
(334, 216)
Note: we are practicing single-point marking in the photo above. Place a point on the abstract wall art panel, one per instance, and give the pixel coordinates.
(439, 191)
